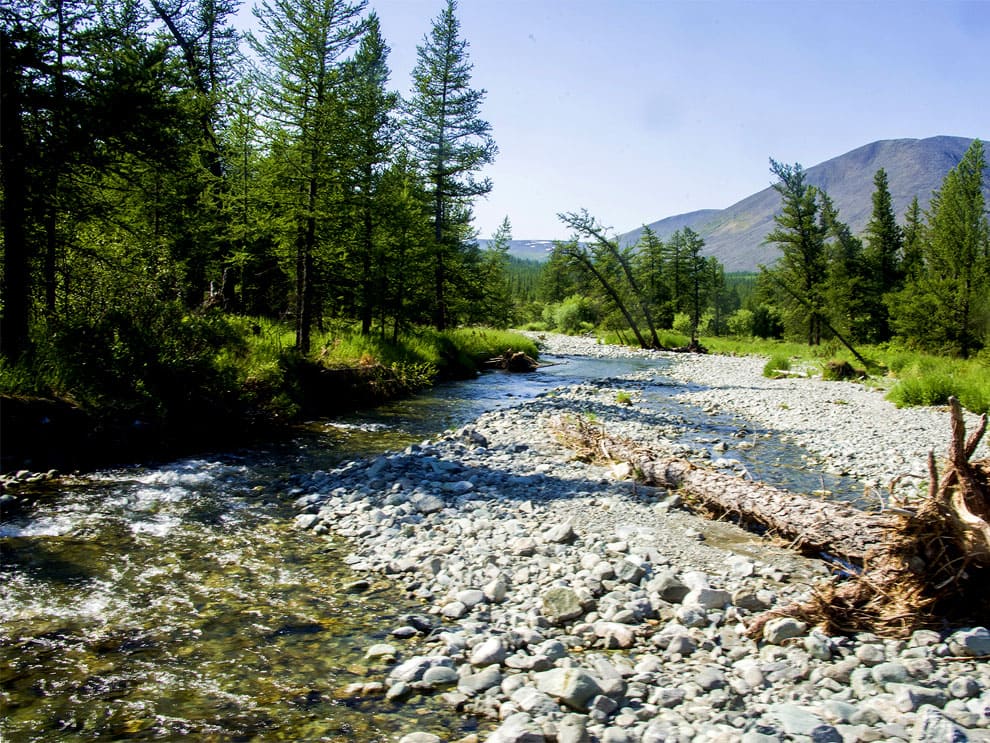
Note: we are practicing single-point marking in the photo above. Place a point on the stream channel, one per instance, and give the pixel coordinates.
(178, 602)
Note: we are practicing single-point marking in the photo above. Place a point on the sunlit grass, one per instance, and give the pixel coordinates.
(912, 378)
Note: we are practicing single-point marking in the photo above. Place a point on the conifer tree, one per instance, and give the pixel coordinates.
(301, 48)
(882, 260)
(452, 143)
(914, 237)
(652, 276)
(845, 281)
(369, 141)
(799, 274)
(946, 306)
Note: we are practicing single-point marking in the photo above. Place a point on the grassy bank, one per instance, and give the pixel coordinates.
(151, 386)
(908, 377)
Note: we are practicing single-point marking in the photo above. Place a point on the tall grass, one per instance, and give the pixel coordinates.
(931, 381)
(913, 378)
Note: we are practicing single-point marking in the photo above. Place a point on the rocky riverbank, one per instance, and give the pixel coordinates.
(561, 603)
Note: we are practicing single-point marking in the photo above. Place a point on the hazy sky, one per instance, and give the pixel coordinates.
(642, 109)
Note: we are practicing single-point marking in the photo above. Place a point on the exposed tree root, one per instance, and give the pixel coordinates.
(931, 566)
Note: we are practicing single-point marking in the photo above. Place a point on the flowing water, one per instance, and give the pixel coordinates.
(177, 601)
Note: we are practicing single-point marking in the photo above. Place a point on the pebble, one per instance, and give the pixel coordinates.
(565, 604)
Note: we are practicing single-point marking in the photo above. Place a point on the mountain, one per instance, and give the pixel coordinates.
(915, 167)
(534, 250)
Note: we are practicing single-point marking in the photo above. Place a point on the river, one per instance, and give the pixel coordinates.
(177, 601)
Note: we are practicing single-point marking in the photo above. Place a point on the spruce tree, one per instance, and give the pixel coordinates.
(452, 143)
(882, 258)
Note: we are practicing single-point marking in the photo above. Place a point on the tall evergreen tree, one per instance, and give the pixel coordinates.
(652, 276)
(882, 259)
(946, 305)
(608, 251)
(914, 238)
(369, 142)
(697, 279)
(799, 274)
(301, 49)
(846, 283)
(207, 48)
(451, 142)
(496, 305)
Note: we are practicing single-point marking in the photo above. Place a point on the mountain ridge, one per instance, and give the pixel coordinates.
(735, 234)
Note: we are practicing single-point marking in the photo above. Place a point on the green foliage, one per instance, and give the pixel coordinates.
(740, 323)
(927, 380)
(572, 316)
(944, 306)
(481, 344)
(776, 364)
(451, 143)
(797, 280)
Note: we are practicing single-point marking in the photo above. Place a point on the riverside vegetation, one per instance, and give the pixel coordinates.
(170, 204)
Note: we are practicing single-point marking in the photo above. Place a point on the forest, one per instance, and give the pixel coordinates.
(196, 221)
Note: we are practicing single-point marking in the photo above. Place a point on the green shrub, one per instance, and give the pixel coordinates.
(682, 324)
(740, 323)
(775, 365)
(572, 316)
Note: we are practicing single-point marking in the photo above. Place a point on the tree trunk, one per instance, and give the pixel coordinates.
(811, 525)
(610, 290)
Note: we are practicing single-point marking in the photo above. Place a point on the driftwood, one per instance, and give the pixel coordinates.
(513, 361)
(933, 562)
(921, 567)
(811, 525)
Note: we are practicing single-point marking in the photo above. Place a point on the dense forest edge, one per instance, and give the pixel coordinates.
(208, 233)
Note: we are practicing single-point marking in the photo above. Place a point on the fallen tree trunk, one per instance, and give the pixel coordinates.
(811, 525)
(922, 567)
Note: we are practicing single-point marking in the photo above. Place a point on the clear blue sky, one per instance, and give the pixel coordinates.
(642, 109)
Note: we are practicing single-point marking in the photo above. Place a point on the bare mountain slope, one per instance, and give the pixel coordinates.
(915, 167)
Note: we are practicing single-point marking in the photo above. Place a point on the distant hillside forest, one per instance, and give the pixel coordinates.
(925, 285)
(170, 188)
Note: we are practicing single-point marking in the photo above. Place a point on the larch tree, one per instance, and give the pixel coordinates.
(301, 49)
(452, 143)
(206, 45)
(882, 259)
(799, 274)
(946, 306)
(697, 276)
(845, 285)
(368, 144)
(588, 228)
(649, 266)
(913, 234)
